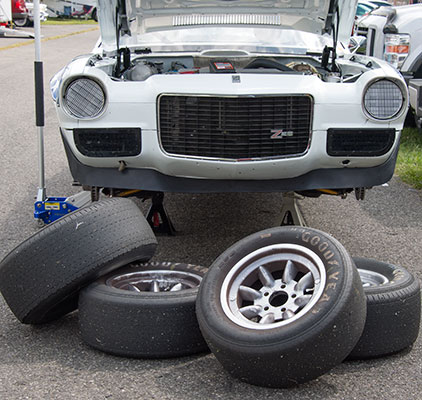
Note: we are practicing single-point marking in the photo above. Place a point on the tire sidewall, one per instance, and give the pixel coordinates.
(142, 324)
(340, 275)
(393, 311)
(40, 278)
(101, 287)
(398, 277)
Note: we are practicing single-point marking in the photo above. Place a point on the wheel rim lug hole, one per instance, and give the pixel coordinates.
(293, 296)
(266, 308)
(266, 294)
(283, 286)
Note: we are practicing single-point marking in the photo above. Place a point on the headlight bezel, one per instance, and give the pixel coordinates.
(401, 110)
(67, 108)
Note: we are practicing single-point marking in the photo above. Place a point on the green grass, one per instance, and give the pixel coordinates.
(409, 162)
(68, 21)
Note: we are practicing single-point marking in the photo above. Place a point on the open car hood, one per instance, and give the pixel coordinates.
(130, 23)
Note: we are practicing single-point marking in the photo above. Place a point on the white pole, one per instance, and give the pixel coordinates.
(39, 102)
(37, 30)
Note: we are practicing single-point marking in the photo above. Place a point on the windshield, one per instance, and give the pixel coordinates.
(363, 9)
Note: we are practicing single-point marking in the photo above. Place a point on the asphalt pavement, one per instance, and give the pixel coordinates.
(52, 362)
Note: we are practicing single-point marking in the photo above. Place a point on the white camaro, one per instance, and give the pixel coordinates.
(229, 95)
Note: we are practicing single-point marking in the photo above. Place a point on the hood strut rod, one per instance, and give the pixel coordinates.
(332, 50)
(122, 26)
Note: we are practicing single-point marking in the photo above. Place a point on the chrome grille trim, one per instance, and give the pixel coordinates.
(218, 129)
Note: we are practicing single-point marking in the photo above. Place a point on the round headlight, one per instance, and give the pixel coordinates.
(383, 99)
(84, 98)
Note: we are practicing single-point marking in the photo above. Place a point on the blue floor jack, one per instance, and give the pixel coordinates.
(48, 209)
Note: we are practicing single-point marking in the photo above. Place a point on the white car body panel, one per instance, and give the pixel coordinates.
(289, 65)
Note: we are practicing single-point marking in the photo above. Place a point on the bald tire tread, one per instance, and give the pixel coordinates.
(307, 347)
(141, 324)
(41, 278)
(393, 311)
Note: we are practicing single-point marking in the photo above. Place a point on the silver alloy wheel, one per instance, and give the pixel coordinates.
(372, 278)
(155, 281)
(273, 286)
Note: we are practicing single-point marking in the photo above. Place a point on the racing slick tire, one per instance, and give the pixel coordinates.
(144, 310)
(282, 306)
(41, 278)
(393, 309)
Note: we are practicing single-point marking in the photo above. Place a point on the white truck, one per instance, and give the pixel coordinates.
(394, 34)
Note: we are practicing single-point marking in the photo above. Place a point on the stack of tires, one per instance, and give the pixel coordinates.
(285, 305)
(278, 308)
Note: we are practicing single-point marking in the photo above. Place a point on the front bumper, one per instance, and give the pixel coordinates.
(212, 155)
(152, 180)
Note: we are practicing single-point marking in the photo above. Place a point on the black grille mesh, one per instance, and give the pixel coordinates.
(235, 127)
(359, 142)
(108, 142)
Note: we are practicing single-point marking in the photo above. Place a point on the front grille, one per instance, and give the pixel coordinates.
(361, 31)
(235, 127)
(108, 142)
(359, 142)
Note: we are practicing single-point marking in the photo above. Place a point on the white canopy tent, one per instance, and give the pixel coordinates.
(5, 11)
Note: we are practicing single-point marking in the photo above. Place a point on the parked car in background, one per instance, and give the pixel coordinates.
(381, 3)
(67, 9)
(363, 8)
(86, 12)
(29, 19)
(19, 12)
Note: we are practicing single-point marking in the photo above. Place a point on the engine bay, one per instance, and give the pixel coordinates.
(130, 67)
(142, 68)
